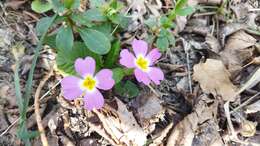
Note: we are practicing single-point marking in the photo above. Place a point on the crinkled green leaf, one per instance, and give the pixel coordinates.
(180, 4)
(71, 4)
(64, 38)
(41, 25)
(151, 22)
(95, 40)
(96, 3)
(113, 54)
(184, 11)
(171, 38)
(162, 43)
(41, 6)
(94, 14)
(128, 89)
(81, 19)
(50, 41)
(58, 6)
(118, 74)
(119, 19)
(66, 59)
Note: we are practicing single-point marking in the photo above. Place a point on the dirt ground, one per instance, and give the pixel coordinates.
(210, 95)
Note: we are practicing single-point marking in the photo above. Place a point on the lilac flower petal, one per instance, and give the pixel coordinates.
(86, 66)
(105, 79)
(140, 47)
(127, 59)
(94, 100)
(71, 87)
(153, 56)
(156, 75)
(142, 76)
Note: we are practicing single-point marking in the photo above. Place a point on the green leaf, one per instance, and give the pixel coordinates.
(80, 19)
(71, 4)
(41, 6)
(163, 32)
(180, 4)
(94, 14)
(64, 38)
(105, 28)
(96, 3)
(96, 41)
(50, 41)
(128, 89)
(165, 22)
(171, 38)
(65, 59)
(184, 11)
(113, 54)
(162, 43)
(119, 19)
(41, 25)
(118, 74)
(151, 22)
(58, 7)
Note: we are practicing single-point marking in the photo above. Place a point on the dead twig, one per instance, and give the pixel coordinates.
(186, 49)
(37, 109)
(245, 103)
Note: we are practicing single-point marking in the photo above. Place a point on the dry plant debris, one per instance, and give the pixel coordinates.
(198, 128)
(214, 78)
(221, 50)
(121, 126)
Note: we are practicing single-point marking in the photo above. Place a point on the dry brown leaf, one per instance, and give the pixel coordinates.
(198, 128)
(213, 43)
(15, 4)
(161, 136)
(149, 112)
(248, 128)
(253, 108)
(229, 29)
(121, 125)
(214, 78)
(240, 40)
(181, 22)
(237, 50)
(255, 79)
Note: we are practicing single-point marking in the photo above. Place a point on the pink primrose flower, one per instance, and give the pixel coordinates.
(142, 62)
(88, 83)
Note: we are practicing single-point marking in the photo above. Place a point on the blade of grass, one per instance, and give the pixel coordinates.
(23, 101)
(18, 92)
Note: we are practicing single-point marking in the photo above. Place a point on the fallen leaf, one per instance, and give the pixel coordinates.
(255, 79)
(162, 135)
(253, 108)
(214, 78)
(181, 22)
(15, 4)
(248, 128)
(229, 29)
(149, 112)
(240, 40)
(121, 125)
(213, 43)
(237, 50)
(198, 128)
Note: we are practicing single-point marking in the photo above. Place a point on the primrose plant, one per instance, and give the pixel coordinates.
(88, 83)
(160, 29)
(88, 53)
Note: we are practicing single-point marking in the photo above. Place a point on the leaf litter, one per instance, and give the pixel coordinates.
(178, 117)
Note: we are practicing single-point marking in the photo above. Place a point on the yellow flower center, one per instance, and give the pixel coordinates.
(89, 83)
(142, 63)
